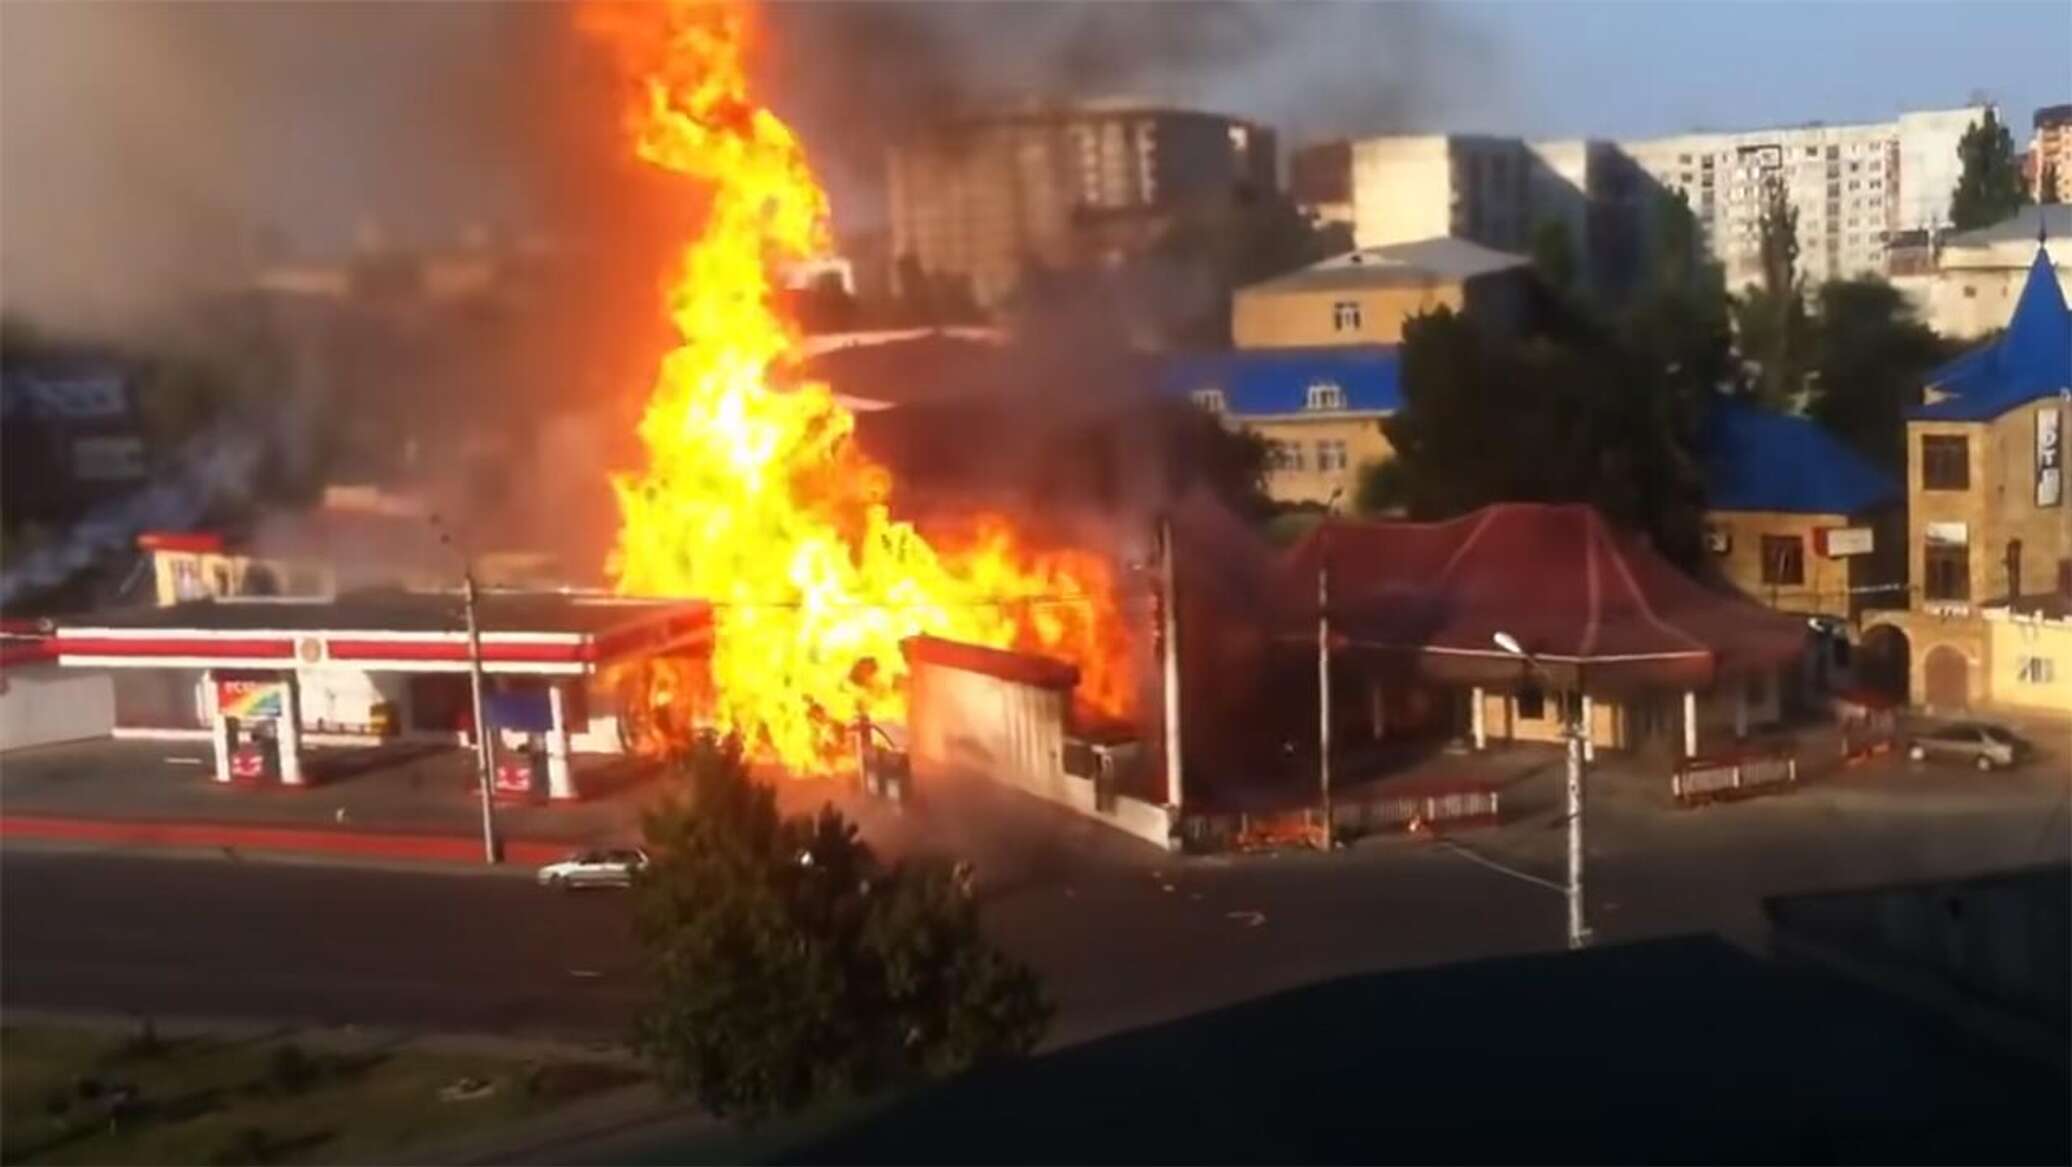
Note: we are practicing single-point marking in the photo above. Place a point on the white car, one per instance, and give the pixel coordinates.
(601, 868)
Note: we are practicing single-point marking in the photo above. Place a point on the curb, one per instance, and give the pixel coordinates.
(283, 840)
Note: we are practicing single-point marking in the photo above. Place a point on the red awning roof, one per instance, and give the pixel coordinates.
(1574, 592)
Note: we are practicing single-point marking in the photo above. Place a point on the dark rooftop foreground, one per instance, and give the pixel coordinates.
(1683, 1050)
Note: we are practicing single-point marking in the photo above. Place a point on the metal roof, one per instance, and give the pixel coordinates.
(1444, 260)
(1260, 382)
(2031, 360)
(1758, 460)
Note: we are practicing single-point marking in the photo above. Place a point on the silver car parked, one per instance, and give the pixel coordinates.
(602, 868)
(1976, 743)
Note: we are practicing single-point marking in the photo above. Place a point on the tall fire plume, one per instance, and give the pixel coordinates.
(757, 499)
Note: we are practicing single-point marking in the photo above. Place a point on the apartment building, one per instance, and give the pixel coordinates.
(978, 200)
(1432, 185)
(2050, 154)
(1854, 186)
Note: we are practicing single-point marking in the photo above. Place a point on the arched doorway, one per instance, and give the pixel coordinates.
(1947, 677)
(1882, 660)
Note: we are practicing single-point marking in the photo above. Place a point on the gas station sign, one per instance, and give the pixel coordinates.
(249, 700)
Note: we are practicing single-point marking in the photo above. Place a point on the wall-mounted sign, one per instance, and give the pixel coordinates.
(2050, 457)
(1837, 542)
(1946, 534)
(246, 700)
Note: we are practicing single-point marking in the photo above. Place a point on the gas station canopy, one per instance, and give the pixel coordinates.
(537, 633)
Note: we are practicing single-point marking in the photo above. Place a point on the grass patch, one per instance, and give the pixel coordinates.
(73, 1095)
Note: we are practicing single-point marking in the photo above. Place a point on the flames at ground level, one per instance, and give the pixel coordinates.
(758, 500)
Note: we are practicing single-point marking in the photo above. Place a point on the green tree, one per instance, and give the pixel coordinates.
(1554, 255)
(791, 966)
(1592, 416)
(1871, 355)
(1990, 187)
(1775, 329)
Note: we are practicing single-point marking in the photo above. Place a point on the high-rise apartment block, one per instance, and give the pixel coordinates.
(1855, 187)
(980, 199)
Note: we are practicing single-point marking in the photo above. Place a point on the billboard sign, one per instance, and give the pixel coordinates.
(1838, 542)
(2050, 456)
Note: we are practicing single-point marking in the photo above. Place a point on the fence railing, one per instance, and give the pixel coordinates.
(1701, 780)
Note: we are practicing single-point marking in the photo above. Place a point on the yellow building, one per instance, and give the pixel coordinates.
(2029, 645)
(1321, 409)
(1988, 523)
(1364, 297)
(1797, 520)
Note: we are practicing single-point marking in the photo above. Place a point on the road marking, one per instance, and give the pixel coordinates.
(1249, 919)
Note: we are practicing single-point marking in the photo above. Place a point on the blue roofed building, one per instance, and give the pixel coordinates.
(1988, 526)
(1797, 519)
(1320, 408)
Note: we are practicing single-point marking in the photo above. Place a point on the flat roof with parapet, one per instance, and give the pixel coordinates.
(390, 629)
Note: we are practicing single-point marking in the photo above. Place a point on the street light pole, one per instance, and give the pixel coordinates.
(1578, 928)
(1573, 730)
(485, 745)
(1169, 659)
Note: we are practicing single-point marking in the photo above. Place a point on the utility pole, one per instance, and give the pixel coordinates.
(1324, 690)
(485, 744)
(1169, 653)
(1324, 664)
(485, 747)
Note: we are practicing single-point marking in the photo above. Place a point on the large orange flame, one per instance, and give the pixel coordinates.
(758, 500)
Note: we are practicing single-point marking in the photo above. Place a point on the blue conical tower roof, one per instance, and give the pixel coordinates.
(2032, 359)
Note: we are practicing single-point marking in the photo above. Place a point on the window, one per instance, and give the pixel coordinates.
(1331, 455)
(1532, 704)
(1326, 395)
(1345, 316)
(1947, 568)
(1784, 559)
(1945, 462)
(1209, 399)
(1286, 456)
(1970, 292)
(2035, 670)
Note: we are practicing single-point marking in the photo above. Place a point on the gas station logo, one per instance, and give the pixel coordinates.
(250, 700)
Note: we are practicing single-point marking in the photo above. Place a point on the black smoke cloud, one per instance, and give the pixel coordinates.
(148, 149)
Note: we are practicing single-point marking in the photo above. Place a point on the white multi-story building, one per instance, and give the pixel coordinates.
(1853, 187)
(1433, 185)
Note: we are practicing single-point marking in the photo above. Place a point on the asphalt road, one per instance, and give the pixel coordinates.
(1123, 937)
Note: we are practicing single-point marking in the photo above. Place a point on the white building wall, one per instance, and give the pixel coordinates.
(41, 705)
(1402, 189)
(1928, 164)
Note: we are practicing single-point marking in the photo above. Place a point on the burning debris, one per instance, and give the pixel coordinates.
(759, 501)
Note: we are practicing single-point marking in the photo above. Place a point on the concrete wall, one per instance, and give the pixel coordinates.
(2012, 642)
(44, 704)
(1364, 443)
(971, 724)
(1402, 189)
(1963, 301)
